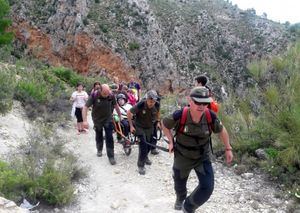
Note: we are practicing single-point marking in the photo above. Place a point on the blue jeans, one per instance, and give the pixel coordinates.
(126, 127)
(109, 141)
(201, 193)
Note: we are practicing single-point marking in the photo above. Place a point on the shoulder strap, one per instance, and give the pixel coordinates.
(209, 120)
(209, 123)
(183, 119)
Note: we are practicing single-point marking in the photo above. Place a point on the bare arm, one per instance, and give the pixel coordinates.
(224, 137)
(129, 117)
(84, 117)
(139, 94)
(117, 108)
(167, 132)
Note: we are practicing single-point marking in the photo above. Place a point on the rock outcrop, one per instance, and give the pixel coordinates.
(165, 43)
(8, 206)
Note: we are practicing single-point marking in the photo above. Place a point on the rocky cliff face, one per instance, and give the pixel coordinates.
(164, 43)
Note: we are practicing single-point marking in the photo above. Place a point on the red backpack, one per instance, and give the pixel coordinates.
(214, 106)
(183, 119)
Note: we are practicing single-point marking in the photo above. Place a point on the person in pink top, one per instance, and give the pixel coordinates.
(131, 97)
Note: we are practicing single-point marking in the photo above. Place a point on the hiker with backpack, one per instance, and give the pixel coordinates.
(202, 80)
(145, 114)
(192, 146)
(102, 104)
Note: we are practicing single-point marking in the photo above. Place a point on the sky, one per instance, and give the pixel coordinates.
(277, 10)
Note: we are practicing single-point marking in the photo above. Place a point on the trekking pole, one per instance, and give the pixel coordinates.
(158, 147)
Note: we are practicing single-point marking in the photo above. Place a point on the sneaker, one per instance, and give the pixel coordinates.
(99, 153)
(112, 161)
(178, 204)
(142, 170)
(148, 161)
(154, 152)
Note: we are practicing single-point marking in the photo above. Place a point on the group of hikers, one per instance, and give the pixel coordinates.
(188, 131)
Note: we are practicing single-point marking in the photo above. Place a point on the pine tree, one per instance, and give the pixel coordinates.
(5, 37)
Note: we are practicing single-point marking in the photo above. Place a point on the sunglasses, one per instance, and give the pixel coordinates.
(199, 104)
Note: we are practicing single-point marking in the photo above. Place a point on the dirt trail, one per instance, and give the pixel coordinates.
(120, 188)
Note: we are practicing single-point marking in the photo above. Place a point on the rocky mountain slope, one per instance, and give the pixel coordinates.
(164, 43)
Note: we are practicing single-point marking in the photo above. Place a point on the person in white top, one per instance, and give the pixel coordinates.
(79, 98)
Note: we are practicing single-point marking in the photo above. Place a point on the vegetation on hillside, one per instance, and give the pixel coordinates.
(40, 171)
(43, 90)
(268, 117)
(5, 37)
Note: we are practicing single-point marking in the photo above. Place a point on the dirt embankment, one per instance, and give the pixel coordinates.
(80, 52)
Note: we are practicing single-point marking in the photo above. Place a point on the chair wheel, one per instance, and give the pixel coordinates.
(127, 150)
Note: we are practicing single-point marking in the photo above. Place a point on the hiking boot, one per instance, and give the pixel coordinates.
(148, 161)
(185, 210)
(178, 204)
(154, 152)
(99, 153)
(112, 161)
(141, 170)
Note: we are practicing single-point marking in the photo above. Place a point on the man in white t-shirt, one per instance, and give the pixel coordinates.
(79, 98)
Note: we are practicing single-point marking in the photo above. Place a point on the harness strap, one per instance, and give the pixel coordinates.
(183, 119)
(209, 120)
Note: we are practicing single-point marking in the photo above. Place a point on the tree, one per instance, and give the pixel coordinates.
(5, 37)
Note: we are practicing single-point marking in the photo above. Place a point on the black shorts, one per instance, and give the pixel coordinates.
(78, 115)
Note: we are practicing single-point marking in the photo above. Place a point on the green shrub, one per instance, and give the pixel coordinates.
(5, 37)
(275, 126)
(11, 181)
(103, 28)
(72, 78)
(67, 75)
(27, 90)
(41, 171)
(278, 64)
(7, 86)
(272, 152)
(133, 46)
(258, 69)
(55, 186)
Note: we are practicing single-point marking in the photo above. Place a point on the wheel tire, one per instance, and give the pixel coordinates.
(127, 150)
(159, 134)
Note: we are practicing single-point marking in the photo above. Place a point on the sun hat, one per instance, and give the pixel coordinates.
(200, 95)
